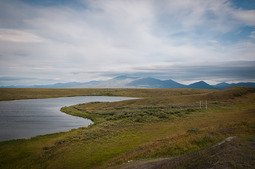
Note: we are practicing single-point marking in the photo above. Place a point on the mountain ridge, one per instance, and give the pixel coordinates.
(137, 82)
(200, 85)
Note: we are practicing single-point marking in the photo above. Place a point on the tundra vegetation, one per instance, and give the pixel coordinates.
(162, 123)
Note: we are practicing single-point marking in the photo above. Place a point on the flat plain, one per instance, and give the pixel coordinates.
(163, 124)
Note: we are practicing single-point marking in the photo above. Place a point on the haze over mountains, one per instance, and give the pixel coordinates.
(136, 82)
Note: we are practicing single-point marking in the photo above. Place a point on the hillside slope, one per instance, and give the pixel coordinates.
(233, 152)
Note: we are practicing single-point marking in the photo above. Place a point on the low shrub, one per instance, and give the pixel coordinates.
(194, 130)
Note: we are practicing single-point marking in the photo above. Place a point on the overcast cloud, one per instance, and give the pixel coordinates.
(45, 42)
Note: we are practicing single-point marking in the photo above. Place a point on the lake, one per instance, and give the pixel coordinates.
(32, 117)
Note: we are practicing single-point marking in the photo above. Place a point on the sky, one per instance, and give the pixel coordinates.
(58, 41)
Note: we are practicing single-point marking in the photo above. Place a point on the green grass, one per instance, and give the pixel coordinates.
(37, 93)
(163, 123)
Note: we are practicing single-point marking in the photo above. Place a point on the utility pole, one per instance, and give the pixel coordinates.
(206, 104)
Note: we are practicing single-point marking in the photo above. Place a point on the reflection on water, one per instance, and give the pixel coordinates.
(28, 118)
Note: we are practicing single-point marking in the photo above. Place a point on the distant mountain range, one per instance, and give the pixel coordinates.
(136, 82)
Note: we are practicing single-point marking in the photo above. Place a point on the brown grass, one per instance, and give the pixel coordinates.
(165, 123)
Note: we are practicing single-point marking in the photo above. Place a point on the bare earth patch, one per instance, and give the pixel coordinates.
(233, 152)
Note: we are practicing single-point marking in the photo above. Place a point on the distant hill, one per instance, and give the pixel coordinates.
(137, 82)
(117, 82)
(155, 83)
(56, 85)
(227, 85)
(147, 83)
(200, 85)
(222, 85)
(174, 84)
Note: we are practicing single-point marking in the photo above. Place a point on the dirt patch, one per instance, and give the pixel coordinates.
(148, 164)
(233, 152)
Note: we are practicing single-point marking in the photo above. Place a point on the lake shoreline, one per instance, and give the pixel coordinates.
(50, 118)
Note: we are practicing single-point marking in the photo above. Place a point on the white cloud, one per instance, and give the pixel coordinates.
(115, 36)
(18, 36)
(252, 35)
(247, 17)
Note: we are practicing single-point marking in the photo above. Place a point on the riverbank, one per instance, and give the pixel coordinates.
(165, 123)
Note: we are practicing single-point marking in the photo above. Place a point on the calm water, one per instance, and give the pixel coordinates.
(28, 118)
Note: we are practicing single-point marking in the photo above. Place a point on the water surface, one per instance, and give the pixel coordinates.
(32, 117)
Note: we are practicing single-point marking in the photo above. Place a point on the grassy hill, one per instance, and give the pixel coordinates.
(163, 123)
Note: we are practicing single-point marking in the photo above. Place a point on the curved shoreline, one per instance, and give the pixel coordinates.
(41, 117)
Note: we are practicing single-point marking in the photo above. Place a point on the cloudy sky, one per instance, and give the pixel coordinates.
(52, 41)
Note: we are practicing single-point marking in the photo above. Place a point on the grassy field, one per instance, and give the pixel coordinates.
(162, 123)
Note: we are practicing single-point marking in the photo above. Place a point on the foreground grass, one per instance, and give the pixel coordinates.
(165, 123)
